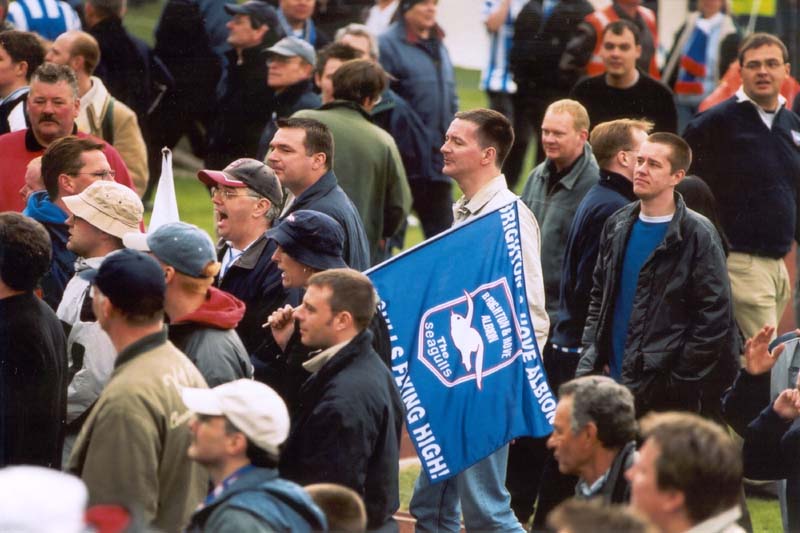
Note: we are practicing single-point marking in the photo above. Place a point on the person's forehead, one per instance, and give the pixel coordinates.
(625, 37)
(464, 129)
(290, 136)
(560, 119)
(657, 151)
(766, 50)
(60, 88)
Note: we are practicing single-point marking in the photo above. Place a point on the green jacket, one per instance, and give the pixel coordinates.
(554, 209)
(132, 447)
(369, 169)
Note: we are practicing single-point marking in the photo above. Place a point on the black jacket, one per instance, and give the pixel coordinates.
(347, 430)
(129, 68)
(616, 489)
(296, 97)
(681, 326)
(326, 196)
(244, 106)
(33, 383)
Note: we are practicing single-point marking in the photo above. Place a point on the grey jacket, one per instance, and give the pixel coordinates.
(554, 208)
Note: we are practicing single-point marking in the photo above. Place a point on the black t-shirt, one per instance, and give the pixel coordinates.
(647, 98)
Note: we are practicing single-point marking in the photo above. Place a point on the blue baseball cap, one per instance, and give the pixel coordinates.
(127, 277)
(184, 247)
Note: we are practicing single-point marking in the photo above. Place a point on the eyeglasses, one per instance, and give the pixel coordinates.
(103, 175)
(216, 191)
(771, 64)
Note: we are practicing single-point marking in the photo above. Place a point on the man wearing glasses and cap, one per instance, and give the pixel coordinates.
(243, 97)
(247, 198)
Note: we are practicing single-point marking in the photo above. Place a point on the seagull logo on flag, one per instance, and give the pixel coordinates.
(468, 340)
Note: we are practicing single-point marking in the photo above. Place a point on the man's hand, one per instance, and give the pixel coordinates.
(757, 358)
(787, 404)
(281, 323)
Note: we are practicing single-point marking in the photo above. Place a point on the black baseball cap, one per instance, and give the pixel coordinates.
(127, 277)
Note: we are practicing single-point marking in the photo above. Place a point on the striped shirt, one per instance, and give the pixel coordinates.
(48, 18)
(496, 76)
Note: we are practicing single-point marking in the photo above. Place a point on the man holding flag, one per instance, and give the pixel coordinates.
(476, 144)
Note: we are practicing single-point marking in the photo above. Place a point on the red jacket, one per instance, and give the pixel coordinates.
(19, 147)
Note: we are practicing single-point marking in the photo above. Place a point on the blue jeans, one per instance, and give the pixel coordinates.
(482, 491)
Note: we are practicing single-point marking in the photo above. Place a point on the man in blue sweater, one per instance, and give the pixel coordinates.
(615, 145)
(748, 151)
(660, 313)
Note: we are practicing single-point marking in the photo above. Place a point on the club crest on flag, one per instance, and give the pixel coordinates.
(464, 353)
(477, 332)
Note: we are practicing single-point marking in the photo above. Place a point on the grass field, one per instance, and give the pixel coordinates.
(195, 207)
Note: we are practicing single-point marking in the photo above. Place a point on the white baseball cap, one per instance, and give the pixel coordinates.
(254, 408)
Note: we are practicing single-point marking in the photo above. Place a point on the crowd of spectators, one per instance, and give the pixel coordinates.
(246, 384)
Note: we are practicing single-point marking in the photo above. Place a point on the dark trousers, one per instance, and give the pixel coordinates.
(433, 202)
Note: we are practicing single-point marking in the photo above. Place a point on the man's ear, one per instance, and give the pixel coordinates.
(65, 185)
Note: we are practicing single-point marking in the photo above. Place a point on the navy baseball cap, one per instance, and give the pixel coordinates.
(311, 238)
(127, 277)
(258, 10)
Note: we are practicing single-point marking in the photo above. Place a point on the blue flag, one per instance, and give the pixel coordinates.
(464, 353)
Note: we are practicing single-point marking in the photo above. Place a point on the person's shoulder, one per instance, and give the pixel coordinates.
(651, 84)
(14, 137)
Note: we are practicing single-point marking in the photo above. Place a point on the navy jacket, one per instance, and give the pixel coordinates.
(256, 281)
(260, 498)
(346, 430)
(772, 451)
(752, 172)
(394, 115)
(611, 193)
(326, 196)
(425, 81)
(299, 96)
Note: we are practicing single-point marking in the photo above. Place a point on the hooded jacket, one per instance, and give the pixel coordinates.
(53, 218)
(259, 501)
(208, 338)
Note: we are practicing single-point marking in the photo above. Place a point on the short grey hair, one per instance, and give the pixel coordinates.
(360, 30)
(51, 73)
(608, 404)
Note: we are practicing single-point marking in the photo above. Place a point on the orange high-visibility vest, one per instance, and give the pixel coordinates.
(602, 18)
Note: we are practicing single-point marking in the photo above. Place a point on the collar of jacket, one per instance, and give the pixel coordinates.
(320, 188)
(96, 109)
(388, 101)
(32, 145)
(618, 183)
(413, 38)
(293, 92)
(345, 104)
(673, 235)
(249, 258)
(111, 24)
(568, 181)
(145, 344)
(358, 346)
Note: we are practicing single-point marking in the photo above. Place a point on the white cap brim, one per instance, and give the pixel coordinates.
(136, 240)
(201, 401)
